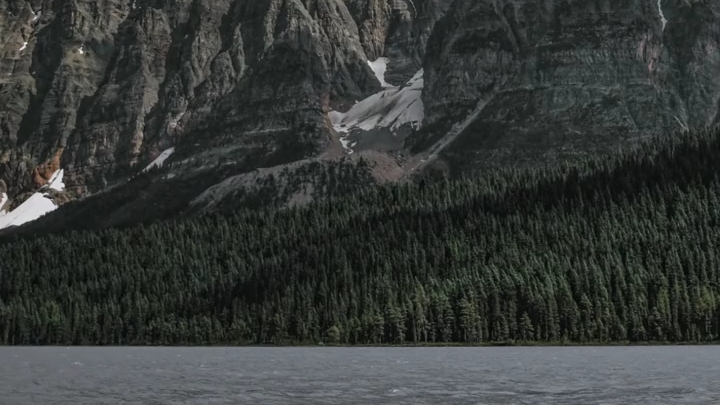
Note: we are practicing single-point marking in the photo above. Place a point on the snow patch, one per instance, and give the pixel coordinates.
(379, 67)
(3, 201)
(346, 145)
(81, 50)
(34, 207)
(36, 16)
(390, 108)
(22, 48)
(56, 181)
(160, 160)
(662, 15)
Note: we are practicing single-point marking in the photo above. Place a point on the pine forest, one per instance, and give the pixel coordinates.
(620, 249)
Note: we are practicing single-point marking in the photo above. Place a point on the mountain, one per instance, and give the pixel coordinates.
(254, 102)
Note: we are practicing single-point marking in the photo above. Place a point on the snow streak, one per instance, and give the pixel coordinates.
(662, 15)
(160, 160)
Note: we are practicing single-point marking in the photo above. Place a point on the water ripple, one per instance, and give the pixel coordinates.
(383, 376)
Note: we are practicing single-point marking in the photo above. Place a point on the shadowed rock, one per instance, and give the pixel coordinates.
(569, 77)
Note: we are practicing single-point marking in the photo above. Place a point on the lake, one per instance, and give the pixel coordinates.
(512, 375)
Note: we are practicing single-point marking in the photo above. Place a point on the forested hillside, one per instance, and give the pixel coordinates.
(625, 248)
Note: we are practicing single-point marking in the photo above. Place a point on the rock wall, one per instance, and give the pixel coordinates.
(692, 45)
(104, 86)
(563, 78)
(100, 88)
(399, 30)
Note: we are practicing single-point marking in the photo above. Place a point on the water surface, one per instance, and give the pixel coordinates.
(538, 375)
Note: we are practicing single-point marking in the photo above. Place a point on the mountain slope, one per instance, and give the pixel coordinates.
(569, 77)
(218, 90)
(101, 89)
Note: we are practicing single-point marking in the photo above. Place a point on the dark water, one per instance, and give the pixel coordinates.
(648, 375)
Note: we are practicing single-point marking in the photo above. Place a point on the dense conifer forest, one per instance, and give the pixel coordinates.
(623, 248)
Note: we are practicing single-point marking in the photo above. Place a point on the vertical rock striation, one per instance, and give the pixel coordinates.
(568, 77)
(399, 30)
(692, 44)
(563, 76)
(102, 87)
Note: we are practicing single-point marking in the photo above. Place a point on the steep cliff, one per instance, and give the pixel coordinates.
(101, 88)
(98, 86)
(213, 90)
(398, 30)
(538, 81)
(692, 44)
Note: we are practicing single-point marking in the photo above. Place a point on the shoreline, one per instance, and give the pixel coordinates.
(389, 346)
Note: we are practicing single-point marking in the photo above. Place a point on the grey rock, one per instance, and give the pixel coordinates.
(692, 40)
(399, 30)
(567, 78)
(102, 87)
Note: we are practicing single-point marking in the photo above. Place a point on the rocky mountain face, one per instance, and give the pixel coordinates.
(538, 80)
(101, 88)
